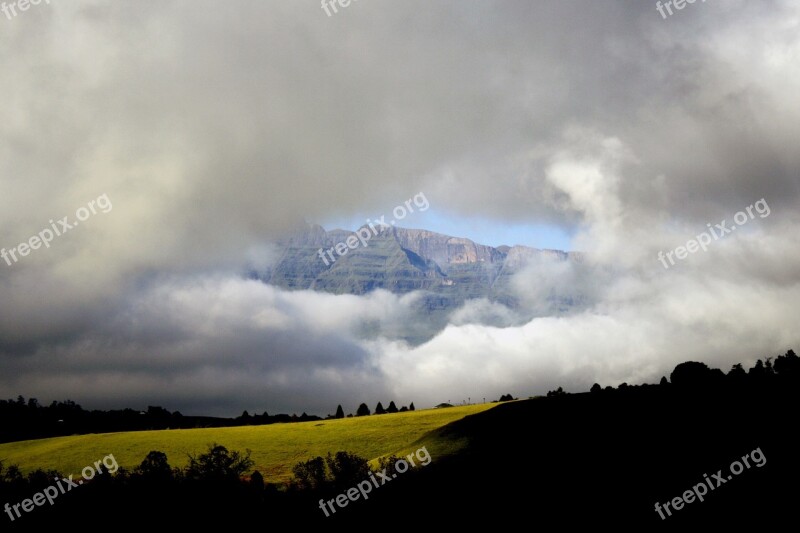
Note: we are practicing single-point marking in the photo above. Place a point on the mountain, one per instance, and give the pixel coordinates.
(447, 270)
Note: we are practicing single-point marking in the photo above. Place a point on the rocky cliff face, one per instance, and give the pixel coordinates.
(449, 270)
(395, 259)
(445, 250)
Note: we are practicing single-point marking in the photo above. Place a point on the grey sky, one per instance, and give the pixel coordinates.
(213, 127)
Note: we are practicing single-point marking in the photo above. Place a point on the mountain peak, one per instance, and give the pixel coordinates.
(447, 270)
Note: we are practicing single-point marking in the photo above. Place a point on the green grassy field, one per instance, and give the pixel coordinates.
(275, 448)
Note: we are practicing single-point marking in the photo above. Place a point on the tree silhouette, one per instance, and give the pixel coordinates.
(311, 474)
(758, 372)
(218, 464)
(737, 374)
(155, 467)
(390, 464)
(257, 481)
(379, 410)
(339, 412)
(363, 410)
(691, 374)
(392, 408)
(788, 365)
(411, 407)
(347, 469)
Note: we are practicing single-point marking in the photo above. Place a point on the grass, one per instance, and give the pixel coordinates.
(275, 448)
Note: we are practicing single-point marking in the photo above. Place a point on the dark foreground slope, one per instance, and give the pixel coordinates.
(607, 458)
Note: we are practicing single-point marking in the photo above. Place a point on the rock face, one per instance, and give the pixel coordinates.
(449, 270)
(397, 259)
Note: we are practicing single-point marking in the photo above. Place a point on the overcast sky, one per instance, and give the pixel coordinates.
(213, 127)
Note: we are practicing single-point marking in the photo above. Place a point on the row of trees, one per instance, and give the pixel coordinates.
(335, 473)
(217, 465)
(341, 471)
(363, 410)
(31, 420)
(263, 419)
(28, 419)
(215, 479)
(693, 375)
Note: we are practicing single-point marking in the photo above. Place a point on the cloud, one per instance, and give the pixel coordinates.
(213, 130)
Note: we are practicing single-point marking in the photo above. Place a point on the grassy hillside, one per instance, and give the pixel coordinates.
(276, 447)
